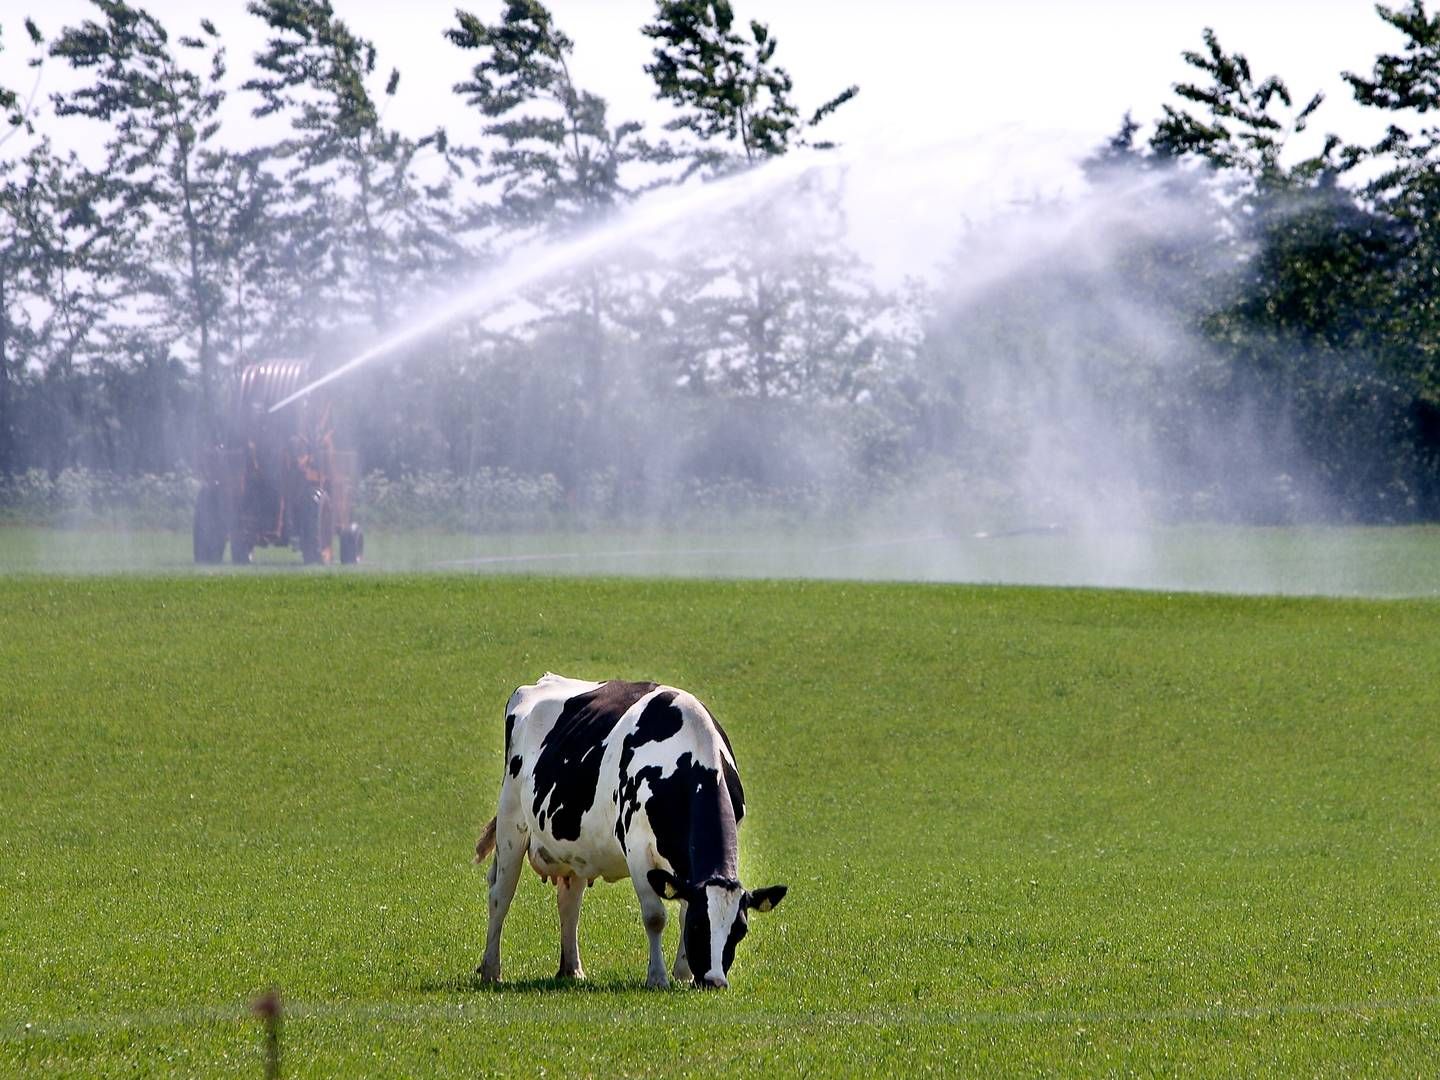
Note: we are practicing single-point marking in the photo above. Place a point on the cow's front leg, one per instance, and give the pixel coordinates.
(569, 892)
(681, 970)
(652, 913)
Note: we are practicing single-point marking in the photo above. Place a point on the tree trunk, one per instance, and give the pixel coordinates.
(7, 463)
(759, 346)
(379, 314)
(202, 306)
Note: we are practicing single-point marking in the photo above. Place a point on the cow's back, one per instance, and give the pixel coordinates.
(558, 743)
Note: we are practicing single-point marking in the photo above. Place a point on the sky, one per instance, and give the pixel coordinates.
(927, 69)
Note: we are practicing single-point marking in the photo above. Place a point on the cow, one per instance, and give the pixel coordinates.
(622, 779)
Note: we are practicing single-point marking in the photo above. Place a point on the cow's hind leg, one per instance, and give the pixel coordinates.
(681, 971)
(569, 892)
(511, 842)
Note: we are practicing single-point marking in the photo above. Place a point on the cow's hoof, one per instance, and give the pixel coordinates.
(657, 982)
(575, 976)
(488, 975)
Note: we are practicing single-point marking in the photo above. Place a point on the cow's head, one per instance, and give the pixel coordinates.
(716, 918)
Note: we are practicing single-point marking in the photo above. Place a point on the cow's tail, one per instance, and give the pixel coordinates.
(486, 844)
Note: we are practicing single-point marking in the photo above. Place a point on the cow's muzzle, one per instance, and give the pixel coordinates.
(709, 982)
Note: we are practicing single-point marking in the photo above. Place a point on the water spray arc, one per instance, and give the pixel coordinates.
(1045, 338)
(536, 263)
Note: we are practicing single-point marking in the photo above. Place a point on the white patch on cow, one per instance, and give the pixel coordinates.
(724, 906)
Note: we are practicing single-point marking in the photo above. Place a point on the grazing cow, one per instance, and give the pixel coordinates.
(620, 779)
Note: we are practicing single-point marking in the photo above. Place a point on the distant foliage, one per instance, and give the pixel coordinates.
(81, 498)
(1249, 335)
(725, 81)
(484, 501)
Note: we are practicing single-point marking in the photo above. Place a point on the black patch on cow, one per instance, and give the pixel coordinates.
(738, 929)
(660, 720)
(515, 764)
(737, 793)
(509, 730)
(697, 936)
(690, 813)
(567, 768)
(732, 778)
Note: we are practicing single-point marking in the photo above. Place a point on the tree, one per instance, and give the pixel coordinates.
(1237, 129)
(726, 82)
(68, 250)
(248, 208)
(741, 306)
(23, 279)
(16, 111)
(364, 233)
(771, 326)
(555, 166)
(360, 222)
(1403, 82)
(1406, 193)
(1299, 327)
(1408, 186)
(162, 165)
(783, 309)
(559, 163)
(58, 284)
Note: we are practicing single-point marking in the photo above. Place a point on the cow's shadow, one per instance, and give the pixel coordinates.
(470, 983)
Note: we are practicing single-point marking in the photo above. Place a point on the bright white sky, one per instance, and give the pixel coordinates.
(927, 68)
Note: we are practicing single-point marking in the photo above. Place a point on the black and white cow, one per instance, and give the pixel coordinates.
(621, 779)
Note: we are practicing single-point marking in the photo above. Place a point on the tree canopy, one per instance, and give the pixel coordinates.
(1241, 283)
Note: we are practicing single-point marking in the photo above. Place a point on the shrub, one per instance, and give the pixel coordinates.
(82, 498)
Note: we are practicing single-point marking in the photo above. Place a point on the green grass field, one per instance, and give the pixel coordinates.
(1026, 831)
(1328, 561)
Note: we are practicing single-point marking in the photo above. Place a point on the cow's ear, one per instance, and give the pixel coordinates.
(666, 884)
(765, 899)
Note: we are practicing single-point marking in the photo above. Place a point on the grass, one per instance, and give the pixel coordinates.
(1026, 830)
(1334, 561)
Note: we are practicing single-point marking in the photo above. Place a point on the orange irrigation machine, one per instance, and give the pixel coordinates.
(276, 479)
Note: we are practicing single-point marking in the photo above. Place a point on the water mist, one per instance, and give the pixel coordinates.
(1046, 340)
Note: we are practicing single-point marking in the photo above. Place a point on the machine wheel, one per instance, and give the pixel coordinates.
(352, 544)
(317, 528)
(209, 531)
